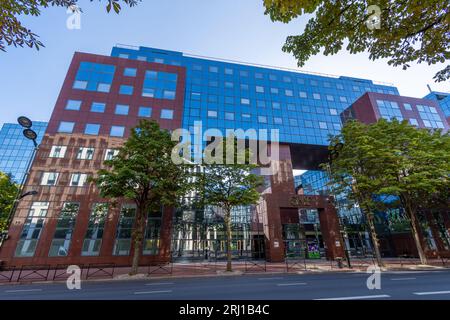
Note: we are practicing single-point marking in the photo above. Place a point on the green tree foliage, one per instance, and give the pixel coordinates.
(416, 170)
(143, 172)
(353, 172)
(8, 192)
(393, 158)
(410, 31)
(227, 184)
(13, 32)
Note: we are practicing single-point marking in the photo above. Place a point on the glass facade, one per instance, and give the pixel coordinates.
(304, 107)
(16, 150)
(443, 98)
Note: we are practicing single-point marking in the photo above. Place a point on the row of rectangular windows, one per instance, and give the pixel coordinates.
(257, 75)
(66, 221)
(196, 96)
(127, 90)
(115, 131)
(407, 106)
(121, 109)
(264, 119)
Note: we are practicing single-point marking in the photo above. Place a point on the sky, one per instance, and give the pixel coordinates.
(30, 80)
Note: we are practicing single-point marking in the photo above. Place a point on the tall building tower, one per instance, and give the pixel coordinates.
(16, 150)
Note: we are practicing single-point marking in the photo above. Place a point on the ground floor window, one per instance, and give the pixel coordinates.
(64, 230)
(94, 234)
(152, 237)
(122, 244)
(32, 229)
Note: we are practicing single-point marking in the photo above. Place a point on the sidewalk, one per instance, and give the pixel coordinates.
(214, 269)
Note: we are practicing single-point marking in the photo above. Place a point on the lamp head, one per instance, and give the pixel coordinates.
(25, 122)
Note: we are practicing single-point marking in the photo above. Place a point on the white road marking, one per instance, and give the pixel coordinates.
(273, 278)
(431, 293)
(357, 297)
(23, 290)
(150, 292)
(291, 284)
(159, 284)
(402, 279)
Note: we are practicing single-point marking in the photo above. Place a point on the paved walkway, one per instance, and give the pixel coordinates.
(211, 268)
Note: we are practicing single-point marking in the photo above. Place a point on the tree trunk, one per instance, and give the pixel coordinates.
(374, 236)
(228, 230)
(138, 239)
(414, 228)
(415, 231)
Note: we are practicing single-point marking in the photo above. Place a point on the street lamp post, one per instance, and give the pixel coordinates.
(30, 134)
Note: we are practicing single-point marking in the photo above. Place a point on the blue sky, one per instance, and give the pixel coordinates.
(234, 29)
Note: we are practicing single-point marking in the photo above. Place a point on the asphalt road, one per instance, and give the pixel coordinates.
(408, 285)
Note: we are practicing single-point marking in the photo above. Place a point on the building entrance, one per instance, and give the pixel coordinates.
(199, 235)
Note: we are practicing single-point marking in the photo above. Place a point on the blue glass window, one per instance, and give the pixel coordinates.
(243, 73)
(229, 116)
(79, 84)
(229, 85)
(196, 96)
(122, 109)
(244, 87)
(103, 87)
(92, 129)
(166, 114)
(169, 94)
(98, 107)
(277, 120)
(94, 76)
(160, 85)
(73, 105)
(262, 119)
(148, 92)
(212, 113)
(125, 89)
(130, 72)
(145, 112)
(66, 127)
(117, 131)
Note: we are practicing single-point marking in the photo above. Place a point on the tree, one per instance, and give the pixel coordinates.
(8, 192)
(393, 158)
(144, 172)
(227, 184)
(353, 172)
(418, 168)
(12, 32)
(409, 31)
